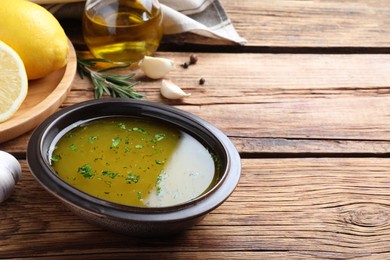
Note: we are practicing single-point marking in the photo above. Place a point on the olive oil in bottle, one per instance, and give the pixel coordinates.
(123, 31)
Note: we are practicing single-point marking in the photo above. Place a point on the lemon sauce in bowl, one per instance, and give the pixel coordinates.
(152, 170)
(134, 161)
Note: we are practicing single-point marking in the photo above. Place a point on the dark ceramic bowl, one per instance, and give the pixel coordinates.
(136, 221)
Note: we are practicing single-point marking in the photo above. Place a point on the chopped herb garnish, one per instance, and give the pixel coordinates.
(121, 125)
(86, 171)
(132, 178)
(127, 149)
(105, 182)
(158, 137)
(158, 191)
(73, 147)
(92, 139)
(139, 195)
(56, 157)
(159, 179)
(139, 146)
(140, 130)
(159, 162)
(110, 174)
(115, 142)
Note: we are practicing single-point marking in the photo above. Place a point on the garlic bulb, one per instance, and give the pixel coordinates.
(172, 91)
(155, 68)
(10, 173)
(7, 184)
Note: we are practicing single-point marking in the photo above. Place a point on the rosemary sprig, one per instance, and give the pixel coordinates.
(114, 85)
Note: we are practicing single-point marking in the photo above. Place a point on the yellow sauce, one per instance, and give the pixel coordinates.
(135, 162)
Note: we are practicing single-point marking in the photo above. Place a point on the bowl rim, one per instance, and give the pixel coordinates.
(37, 160)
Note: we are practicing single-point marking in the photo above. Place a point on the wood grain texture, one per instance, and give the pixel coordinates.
(287, 103)
(296, 23)
(295, 208)
(312, 131)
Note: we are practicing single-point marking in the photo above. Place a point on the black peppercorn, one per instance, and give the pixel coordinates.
(193, 59)
(185, 65)
(202, 81)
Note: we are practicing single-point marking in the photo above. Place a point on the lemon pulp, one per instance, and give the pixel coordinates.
(13, 82)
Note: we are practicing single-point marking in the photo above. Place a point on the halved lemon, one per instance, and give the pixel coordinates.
(13, 82)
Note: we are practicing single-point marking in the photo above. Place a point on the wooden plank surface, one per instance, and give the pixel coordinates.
(296, 23)
(305, 102)
(302, 208)
(325, 100)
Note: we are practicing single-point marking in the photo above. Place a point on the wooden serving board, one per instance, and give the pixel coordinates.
(43, 98)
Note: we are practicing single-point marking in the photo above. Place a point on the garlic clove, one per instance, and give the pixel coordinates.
(10, 173)
(172, 91)
(156, 68)
(10, 163)
(7, 183)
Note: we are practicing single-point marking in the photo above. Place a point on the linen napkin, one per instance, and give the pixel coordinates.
(206, 18)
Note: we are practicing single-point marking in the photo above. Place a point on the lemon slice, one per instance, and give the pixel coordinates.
(13, 82)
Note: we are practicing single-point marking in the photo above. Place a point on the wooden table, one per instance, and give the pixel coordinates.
(307, 104)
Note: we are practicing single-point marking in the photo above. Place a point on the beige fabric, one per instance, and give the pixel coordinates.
(202, 17)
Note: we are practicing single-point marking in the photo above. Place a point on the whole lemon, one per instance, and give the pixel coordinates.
(35, 34)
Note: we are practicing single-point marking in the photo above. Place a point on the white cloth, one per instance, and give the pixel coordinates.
(203, 17)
